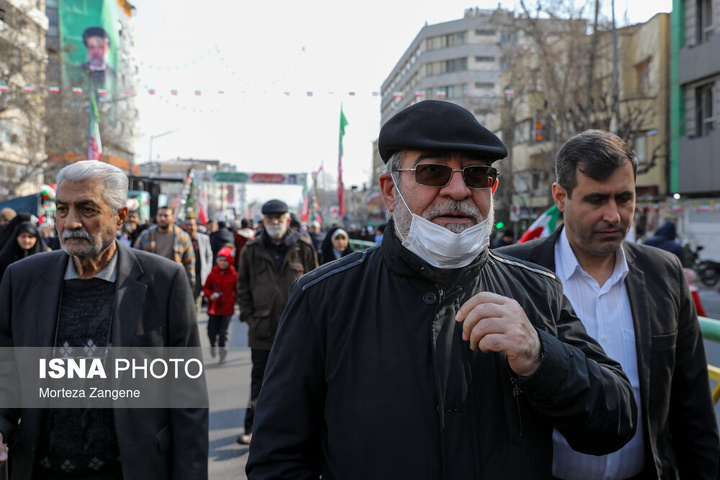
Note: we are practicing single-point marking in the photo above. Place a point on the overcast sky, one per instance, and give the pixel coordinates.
(265, 57)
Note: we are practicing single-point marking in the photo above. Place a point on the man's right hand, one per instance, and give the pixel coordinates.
(3, 450)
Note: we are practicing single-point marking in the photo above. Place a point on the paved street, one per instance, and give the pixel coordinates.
(229, 390)
(229, 387)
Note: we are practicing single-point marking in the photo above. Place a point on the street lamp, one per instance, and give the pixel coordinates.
(153, 137)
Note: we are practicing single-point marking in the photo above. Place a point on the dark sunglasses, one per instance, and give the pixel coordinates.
(438, 175)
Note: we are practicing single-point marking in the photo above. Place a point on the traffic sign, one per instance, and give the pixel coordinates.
(250, 177)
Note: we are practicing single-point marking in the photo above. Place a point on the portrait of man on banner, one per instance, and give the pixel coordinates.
(89, 46)
(96, 68)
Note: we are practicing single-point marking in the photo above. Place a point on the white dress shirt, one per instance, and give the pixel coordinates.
(605, 312)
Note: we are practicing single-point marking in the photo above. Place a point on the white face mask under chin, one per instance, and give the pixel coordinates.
(274, 231)
(440, 247)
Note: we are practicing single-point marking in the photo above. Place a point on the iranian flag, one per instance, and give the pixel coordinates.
(543, 226)
(94, 143)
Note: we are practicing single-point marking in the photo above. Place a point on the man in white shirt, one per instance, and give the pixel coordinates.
(635, 302)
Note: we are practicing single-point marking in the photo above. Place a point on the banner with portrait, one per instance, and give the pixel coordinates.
(89, 46)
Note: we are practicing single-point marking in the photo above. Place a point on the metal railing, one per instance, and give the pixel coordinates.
(711, 331)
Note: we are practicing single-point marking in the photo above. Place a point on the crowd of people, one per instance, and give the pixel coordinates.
(439, 354)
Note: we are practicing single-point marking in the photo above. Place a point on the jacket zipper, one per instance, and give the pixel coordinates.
(516, 393)
(438, 387)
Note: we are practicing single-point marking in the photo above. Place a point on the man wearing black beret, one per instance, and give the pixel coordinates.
(431, 356)
(268, 265)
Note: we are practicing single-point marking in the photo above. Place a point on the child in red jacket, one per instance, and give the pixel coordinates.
(220, 289)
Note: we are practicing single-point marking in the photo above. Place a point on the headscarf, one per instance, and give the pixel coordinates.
(326, 251)
(12, 252)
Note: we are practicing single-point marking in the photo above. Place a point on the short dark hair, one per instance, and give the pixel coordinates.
(95, 32)
(595, 153)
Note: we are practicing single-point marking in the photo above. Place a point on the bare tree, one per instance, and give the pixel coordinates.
(565, 65)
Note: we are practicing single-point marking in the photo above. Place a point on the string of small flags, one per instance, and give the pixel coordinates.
(197, 92)
(699, 206)
(192, 64)
(173, 98)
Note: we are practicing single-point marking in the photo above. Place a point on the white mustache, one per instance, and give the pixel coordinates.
(76, 234)
(455, 207)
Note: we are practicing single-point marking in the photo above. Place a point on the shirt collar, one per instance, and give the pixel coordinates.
(566, 264)
(109, 273)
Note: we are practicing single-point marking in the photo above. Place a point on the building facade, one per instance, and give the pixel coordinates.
(23, 26)
(71, 105)
(462, 61)
(695, 129)
(458, 61)
(698, 130)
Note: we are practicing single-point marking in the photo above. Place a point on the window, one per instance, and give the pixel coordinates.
(456, 39)
(456, 65)
(523, 131)
(484, 33)
(448, 91)
(448, 66)
(444, 41)
(704, 20)
(705, 118)
(484, 59)
(455, 91)
(509, 37)
(641, 148)
(642, 72)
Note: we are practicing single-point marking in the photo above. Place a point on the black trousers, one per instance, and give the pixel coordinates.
(259, 362)
(218, 329)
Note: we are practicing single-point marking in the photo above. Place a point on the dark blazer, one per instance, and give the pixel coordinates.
(154, 305)
(679, 422)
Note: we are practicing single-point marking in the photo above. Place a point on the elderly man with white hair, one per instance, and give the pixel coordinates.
(92, 294)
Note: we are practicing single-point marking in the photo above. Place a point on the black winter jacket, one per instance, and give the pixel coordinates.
(369, 377)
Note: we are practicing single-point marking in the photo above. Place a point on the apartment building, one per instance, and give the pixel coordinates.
(550, 98)
(23, 25)
(461, 61)
(695, 121)
(115, 98)
(696, 165)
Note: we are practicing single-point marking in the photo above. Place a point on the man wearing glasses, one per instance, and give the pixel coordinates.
(431, 356)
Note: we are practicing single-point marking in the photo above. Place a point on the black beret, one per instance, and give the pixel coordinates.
(274, 206)
(94, 32)
(436, 125)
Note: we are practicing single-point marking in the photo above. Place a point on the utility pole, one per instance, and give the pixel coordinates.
(153, 137)
(616, 80)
